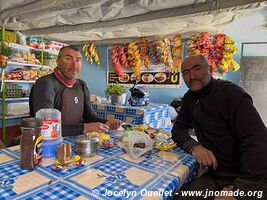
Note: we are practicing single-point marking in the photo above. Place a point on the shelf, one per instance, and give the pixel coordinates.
(28, 64)
(16, 99)
(28, 48)
(54, 52)
(18, 46)
(14, 117)
(18, 81)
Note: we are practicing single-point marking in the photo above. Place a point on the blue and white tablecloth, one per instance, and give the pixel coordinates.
(154, 115)
(111, 174)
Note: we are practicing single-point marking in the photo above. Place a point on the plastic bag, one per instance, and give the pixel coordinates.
(137, 137)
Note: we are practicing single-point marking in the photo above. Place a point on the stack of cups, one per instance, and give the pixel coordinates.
(51, 133)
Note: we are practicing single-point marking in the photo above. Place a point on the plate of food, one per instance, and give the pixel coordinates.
(125, 78)
(135, 77)
(160, 77)
(147, 78)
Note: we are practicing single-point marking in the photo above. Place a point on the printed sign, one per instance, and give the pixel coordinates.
(154, 76)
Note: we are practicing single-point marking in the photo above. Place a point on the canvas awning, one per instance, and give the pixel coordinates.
(120, 20)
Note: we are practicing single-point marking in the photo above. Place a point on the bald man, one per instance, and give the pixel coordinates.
(64, 91)
(232, 138)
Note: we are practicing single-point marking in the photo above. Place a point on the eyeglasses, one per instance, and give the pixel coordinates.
(72, 59)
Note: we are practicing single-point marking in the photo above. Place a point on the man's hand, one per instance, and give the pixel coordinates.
(95, 126)
(204, 156)
(226, 197)
(114, 124)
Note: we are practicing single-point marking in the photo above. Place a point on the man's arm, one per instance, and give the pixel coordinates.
(180, 132)
(181, 136)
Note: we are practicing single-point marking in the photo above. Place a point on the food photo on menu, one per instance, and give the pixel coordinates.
(144, 78)
(160, 77)
(147, 77)
(124, 79)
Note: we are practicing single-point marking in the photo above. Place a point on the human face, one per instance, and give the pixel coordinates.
(69, 63)
(195, 73)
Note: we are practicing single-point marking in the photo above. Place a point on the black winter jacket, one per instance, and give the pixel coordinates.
(227, 123)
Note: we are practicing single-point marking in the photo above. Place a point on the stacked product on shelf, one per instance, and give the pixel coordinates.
(16, 109)
(53, 45)
(41, 43)
(31, 74)
(50, 49)
(13, 90)
(49, 58)
(23, 65)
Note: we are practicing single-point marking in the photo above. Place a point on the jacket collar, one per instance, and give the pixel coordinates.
(205, 90)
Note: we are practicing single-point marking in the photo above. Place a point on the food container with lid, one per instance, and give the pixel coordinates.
(86, 145)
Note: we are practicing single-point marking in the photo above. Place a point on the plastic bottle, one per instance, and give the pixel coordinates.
(51, 119)
(31, 143)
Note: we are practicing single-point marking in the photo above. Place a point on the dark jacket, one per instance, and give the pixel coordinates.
(47, 92)
(227, 123)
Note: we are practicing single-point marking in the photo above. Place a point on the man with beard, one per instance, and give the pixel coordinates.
(232, 138)
(63, 90)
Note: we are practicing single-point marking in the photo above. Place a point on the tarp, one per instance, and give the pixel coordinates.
(77, 21)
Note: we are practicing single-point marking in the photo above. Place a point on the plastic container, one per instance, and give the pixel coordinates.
(49, 147)
(51, 118)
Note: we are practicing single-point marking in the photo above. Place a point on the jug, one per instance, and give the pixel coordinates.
(51, 119)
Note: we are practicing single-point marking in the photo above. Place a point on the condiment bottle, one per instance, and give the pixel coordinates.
(31, 143)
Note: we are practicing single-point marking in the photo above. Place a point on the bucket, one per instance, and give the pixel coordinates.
(119, 100)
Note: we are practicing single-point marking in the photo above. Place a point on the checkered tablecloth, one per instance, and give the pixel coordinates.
(154, 115)
(111, 174)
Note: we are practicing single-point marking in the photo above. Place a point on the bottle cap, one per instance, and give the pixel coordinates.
(31, 122)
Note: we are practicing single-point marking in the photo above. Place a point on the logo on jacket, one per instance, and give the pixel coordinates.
(76, 100)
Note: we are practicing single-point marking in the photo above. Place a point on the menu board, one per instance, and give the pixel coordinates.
(154, 76)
